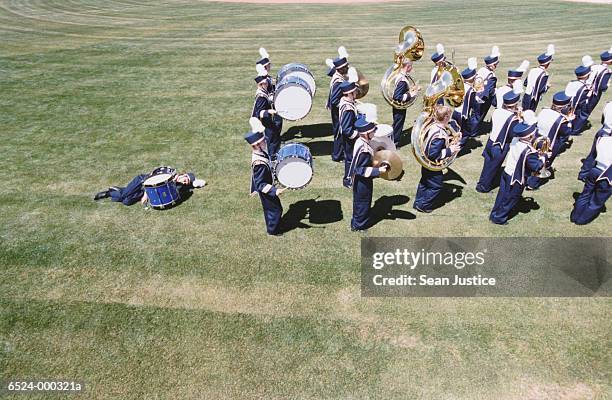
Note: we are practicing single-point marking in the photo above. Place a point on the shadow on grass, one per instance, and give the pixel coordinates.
(452, 175)
(524, 206)
(405, 138)
(320, 147)
(383, 209)
(307, 131)
(449, 193)
(318, 212)
(470, 144)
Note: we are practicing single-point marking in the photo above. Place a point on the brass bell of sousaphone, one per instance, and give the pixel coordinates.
(411, 47)
(450, 87)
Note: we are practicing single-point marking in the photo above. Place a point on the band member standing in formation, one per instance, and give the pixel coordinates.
(503, 121)
(402, 93)
(467, 114)
(437, 147)
(487, 74)
(522, 161)
(513, 76)
(580, 94)
(537, 80)
(596, 174)
(264, 111)
(348, 116)
(439, 59)
(262, 181)
(362, 173)
(554, 123)
(341, 66)
(600, 74)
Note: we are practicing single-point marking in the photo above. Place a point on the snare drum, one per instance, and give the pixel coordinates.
(293, 98)
(383, 138)
(299, 70)
(161, 190)
(293, 167)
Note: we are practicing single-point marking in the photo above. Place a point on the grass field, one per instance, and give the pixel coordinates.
(197, 302)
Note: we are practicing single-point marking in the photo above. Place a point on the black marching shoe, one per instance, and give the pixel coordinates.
(102, 195)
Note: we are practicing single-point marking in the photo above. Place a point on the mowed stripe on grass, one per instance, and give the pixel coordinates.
(95, 92)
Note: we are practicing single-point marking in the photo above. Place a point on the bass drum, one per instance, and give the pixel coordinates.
(293, 167)
(292, 98)
(299, 70)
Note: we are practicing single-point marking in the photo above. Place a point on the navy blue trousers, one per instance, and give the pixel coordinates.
(130, 194)
(493, 159)
(429, 188)
(507, 198)
(399, 117)
(338, 149)
(362, 201)
(273, 137)
(469, 126)
(592, 199)
(348, 159)
(529, 103)
(273, 211)
(582, 116)
(484, 109)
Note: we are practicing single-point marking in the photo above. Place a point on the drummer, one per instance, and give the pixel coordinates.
(362, 173)
(262, 182)
(348, 116)
(437, 147)
(263, 109)
(134, 191)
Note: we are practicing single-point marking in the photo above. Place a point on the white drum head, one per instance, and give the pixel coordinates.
(157, 179)
(293, 102)
(306, 77)
(383, 138)
(293, 172)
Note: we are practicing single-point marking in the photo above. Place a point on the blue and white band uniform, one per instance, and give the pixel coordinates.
(536, 86)
(556, 127)
(262, 183)
(272, 123)
(580, 93)
(490, 83)
(431, 184)
(466, 114)
(599, 80)
(522, 161)
(606, 130)
(333, 101)
(348, 116)
(361, 175)
(597, 183)
(496, 149)
(400, 94)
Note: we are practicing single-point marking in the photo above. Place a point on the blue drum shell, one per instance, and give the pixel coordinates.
(162, 195)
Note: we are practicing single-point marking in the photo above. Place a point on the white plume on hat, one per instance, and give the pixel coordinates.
(369, 110)
(439, 48)
(342, 52)
(495, 51)
(587, 61)
(550, 50)
(517, 87)
(530, 117)
(352, 75)
(263, 53)
(472, 63)
(329, 62)
(256, 125)
(523, 67)
(610, 51)
(261, 70)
